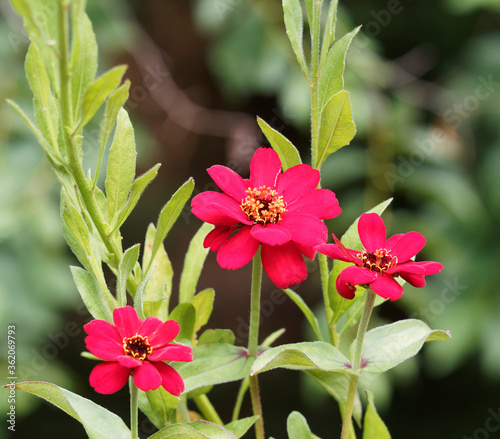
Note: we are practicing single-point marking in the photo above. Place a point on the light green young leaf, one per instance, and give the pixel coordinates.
(373, 426)
(193, 430)
(329, 33)
(138, 187)
(127, 264)
(77, 226)
(309, 8)
(158, 405)
(193, 263)
(83, 58)
(214, 363)
(271, 338)
(97, 92)
(121, 165)
(288, 154)
(203, 304)
(241, 426)
(294, 24)
(337, 385)
(170, 213)
(311, 318)
(98, 422)
(216, 336)
(387, 346)
(336, 127)
(306, 355)
(331, 80)
(139, 295)
(185, 315)
(91, 294)
(297, 426)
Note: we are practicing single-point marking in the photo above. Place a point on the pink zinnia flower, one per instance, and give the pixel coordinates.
(281, 212)
(138, 347)
(380, 261)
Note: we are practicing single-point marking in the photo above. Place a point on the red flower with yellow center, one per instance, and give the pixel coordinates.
(381, 260)
(138, 347)
(280, 212)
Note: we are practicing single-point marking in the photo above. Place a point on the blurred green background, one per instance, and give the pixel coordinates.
(424, 81)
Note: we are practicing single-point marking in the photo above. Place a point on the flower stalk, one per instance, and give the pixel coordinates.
(134, 406)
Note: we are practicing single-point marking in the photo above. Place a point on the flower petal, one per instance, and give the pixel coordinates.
(218, 237)
(271, 234)
(146, 377)
(126, 321)
(308, 252)
(372, 233)
(170, 378)
(430, 267)
(102, 328)
(305, 229)
(164, 334)
(149, 326)
(172, 352)
(321, 203)
(104, 347)
(229, 181)
(352, 276)
(417, 280)
(408, 246)
(387, 287)
(297, 181)
(407, 267)
(265, 168)
(108, 377)
(284, 264)
(129, 362)
(391, 242)
(219, 209)
(239, 250)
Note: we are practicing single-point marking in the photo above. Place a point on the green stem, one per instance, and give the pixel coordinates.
(239, 399)
(207, 409)
(314, 83)
(253, 340)
(134, 405)
(356, 362)
(325, 274)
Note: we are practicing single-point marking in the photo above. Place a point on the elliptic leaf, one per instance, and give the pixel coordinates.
(297, 426)
(373, 426)
(203, 304)
(241, 426)
(294, 24)
(193, 430)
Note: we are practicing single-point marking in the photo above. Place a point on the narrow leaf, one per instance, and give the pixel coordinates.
(241, 426)
(127, 264)
(139, 296)
(297, 426)
(121, 165)
(311, 318)
(294, 24)
(288, 154)
(158, 405)
(387, 346)
(203, 304)
(374, 427)
(98, 422)
(91, 294)
(193, 263)
(329, 34)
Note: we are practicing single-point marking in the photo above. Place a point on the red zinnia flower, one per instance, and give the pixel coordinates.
(380, 261)
(138, 347)
(280, 211)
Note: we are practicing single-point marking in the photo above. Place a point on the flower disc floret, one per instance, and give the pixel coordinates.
(263, 205)
(379, 261)
(137, 347)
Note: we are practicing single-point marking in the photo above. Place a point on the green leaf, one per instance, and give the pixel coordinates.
(331, 80)
(241, 426)
(306, 355)
(271, 338)
(98, 422)
(329, 34)
(83, 58)
(294, 24)
(159, 288)
(139, 295)
(311, 318)
(297, 426)
(337, 385)
(288, 154)
(136, 191)
(216, 336)
(77, 227)
(193, 430)
(125, 267)
(97, 92)
(336, 126)
(158, 405)
(170, 213)
(374, 427)
(387, 346)
(185, 315)
(121, 164)
(92, 294)
(193, 263)
(203, 304)
(214, 363)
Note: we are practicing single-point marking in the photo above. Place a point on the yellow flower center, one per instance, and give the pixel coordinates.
(263, 205)
(380, 260)
(137, 347)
